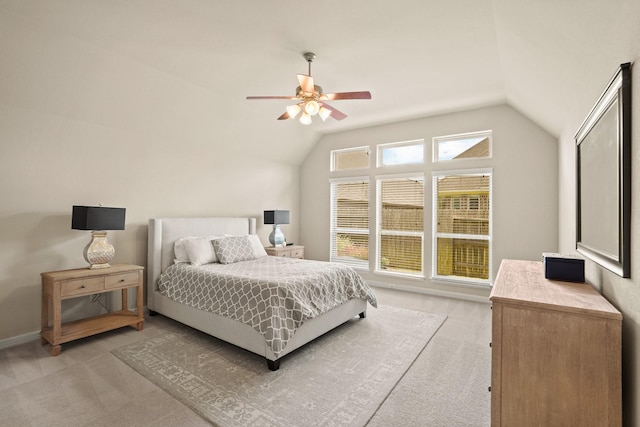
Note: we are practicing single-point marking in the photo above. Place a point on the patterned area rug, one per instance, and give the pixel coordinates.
(339, 379)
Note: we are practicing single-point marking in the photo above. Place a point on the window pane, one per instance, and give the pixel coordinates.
(462, 211)
(352, 204)
(401, 153)
(401, 253)
(351, 159)
(353, 246)
(350, 223)
(402, 205)
(463, 204)
(401, 224)
(463, 257)
(468, 146)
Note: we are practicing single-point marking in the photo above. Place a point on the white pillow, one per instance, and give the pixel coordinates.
(179, 250)
(258, 249)
(200, 251)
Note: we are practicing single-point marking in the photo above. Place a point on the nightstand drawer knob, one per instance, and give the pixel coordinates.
(82, 287)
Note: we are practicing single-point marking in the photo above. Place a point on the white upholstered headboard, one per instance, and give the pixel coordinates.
(163, 232)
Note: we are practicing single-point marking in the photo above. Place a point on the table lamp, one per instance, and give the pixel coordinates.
(276, 238)
(99, 252)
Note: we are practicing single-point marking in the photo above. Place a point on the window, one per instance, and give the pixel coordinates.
(400, 224)
(463, 146)
(462, 225)
(401, 153)
(352, 158)
(350, 222)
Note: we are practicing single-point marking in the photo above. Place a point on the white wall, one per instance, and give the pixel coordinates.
(623, 293)
(71, 133)
(525, 198)
(50, 163)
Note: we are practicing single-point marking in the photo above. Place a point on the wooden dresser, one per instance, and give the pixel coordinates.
(556, 351)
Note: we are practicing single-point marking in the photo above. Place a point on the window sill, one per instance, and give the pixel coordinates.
(399, 275)
(458, 281)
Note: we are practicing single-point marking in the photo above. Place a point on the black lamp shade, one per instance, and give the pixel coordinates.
(276, 217)
(97, 218)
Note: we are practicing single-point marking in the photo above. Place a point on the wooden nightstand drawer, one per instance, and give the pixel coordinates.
(292, 251)
(297, 253)
(81, 286)
(121, 280)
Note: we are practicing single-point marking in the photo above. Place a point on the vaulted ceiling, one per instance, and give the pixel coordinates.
(180, 70)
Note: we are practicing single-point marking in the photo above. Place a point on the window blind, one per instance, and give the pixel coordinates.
(353, 158)
(400, 224)
(462, 225)
(350, 222)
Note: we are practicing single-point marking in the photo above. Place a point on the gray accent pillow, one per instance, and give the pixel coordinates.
(233, 249)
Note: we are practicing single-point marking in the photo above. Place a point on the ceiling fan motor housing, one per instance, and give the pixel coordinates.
(317, 92)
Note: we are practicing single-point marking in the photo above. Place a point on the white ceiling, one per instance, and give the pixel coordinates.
(187, 66)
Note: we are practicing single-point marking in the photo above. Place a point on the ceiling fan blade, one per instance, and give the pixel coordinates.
(346, 95)
(336, 114)
(272, 97)
(284, 116)
(306, 83)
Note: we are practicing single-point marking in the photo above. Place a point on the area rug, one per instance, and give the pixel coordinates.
(339, 379)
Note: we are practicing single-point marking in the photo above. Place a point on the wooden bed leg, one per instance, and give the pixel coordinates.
(274, 365)
(363, 314)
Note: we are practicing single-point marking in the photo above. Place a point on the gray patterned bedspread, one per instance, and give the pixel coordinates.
(274, 295)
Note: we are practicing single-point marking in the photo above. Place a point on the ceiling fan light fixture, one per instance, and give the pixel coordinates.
(311, 107)
(293, 110)
(310, 99)
(305, 119)
(324, 113)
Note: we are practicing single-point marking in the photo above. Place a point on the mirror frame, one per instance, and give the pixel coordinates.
(603, 133)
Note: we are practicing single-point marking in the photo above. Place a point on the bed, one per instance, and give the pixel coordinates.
(231, 327)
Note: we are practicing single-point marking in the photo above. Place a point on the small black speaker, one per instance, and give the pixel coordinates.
(563, 267)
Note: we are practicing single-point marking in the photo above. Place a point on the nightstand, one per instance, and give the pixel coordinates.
(59, 285)
(292, 251)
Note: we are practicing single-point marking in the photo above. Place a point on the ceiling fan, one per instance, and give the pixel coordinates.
(310, 99)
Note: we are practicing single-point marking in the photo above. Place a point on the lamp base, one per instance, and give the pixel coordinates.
(276, 238)
(99, 252)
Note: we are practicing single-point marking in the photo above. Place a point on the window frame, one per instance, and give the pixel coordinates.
(435, 235)
(379, 232)
(461, 136)
(334, 230)
(332, 166)
(381, 147)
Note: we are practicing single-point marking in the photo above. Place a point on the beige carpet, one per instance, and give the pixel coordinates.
(340, 379)
(447, 385)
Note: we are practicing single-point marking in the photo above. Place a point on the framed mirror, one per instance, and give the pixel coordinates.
(603, 154)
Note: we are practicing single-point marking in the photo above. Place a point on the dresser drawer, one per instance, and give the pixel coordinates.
(116, 281)
(81, 286)
(286, 254)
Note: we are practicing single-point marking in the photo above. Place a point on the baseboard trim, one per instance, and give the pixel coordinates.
(35, 335)
(427, 291)
(19, 339)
